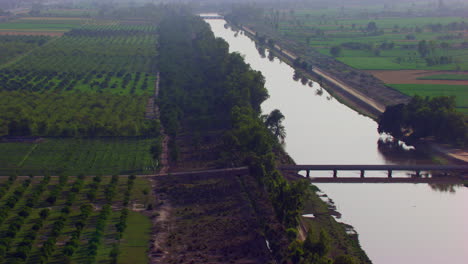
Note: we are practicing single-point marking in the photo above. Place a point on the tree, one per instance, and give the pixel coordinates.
(274, 124)
(423, 48)
(371, 27)
(335, 51)
(324, 244)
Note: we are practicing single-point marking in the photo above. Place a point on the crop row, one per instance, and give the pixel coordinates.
(93, 81)
(77, 114)
(80, 54)
(89, 156)
(38, 233)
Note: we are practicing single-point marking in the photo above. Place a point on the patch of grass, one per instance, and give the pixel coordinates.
(134, 243)
(459, 91)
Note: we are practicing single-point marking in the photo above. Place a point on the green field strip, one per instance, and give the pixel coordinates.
(134, 243)
(460, 92)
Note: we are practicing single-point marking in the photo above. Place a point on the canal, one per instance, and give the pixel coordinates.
(396, 223)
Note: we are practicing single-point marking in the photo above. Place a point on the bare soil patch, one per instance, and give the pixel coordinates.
(411, 77)
(211, 221)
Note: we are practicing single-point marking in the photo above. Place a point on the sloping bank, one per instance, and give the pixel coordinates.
(212, 95)
(341, 91)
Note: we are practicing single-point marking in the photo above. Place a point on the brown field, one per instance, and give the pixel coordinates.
(410, 77)
(32, 33)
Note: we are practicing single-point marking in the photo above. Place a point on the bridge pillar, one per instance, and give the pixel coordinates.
(389, 173)
(362, 173)
(308, 173)
(335, 173)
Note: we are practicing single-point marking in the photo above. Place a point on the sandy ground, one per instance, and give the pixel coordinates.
(410, 77)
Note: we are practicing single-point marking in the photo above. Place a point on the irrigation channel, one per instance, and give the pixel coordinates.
(397, 223)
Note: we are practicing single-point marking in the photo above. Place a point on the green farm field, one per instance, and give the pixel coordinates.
(72, 219)
(105, 156)
(460, 92)
(324, 29)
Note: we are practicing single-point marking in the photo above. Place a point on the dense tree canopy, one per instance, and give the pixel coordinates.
(73, 114)
(426, 117)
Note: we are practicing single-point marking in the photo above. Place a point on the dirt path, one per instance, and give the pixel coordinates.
(151, 107)
(152, 112)
(161, 228)
(164, 159)
(161, 223)
(452, 153)
(359, 96)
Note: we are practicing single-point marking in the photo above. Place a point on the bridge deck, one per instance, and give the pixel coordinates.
(440, 180)
(375, 167)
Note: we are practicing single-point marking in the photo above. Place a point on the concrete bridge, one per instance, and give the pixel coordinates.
(461, 172)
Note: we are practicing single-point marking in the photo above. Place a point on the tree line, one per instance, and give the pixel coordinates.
(426, 117)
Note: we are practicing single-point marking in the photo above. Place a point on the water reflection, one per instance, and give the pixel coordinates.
(319, 92)
(261, 51)
(442, 187)
(271, 56)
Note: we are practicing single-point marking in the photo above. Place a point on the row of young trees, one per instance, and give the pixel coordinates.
(120, 82)
(85, 50)
(13, 46)
(20, 252)
(24, 248)
(74, 114)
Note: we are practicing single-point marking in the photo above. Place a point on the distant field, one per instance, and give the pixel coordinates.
(73, 156)
(37, 26)
(459, 91)
(323, 29)
(461, 77)
(69, 12)
(387, 60)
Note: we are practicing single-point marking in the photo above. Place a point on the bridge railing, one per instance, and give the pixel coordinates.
(362, 168)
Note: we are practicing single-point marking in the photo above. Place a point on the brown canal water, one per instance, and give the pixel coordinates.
(396, 223)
